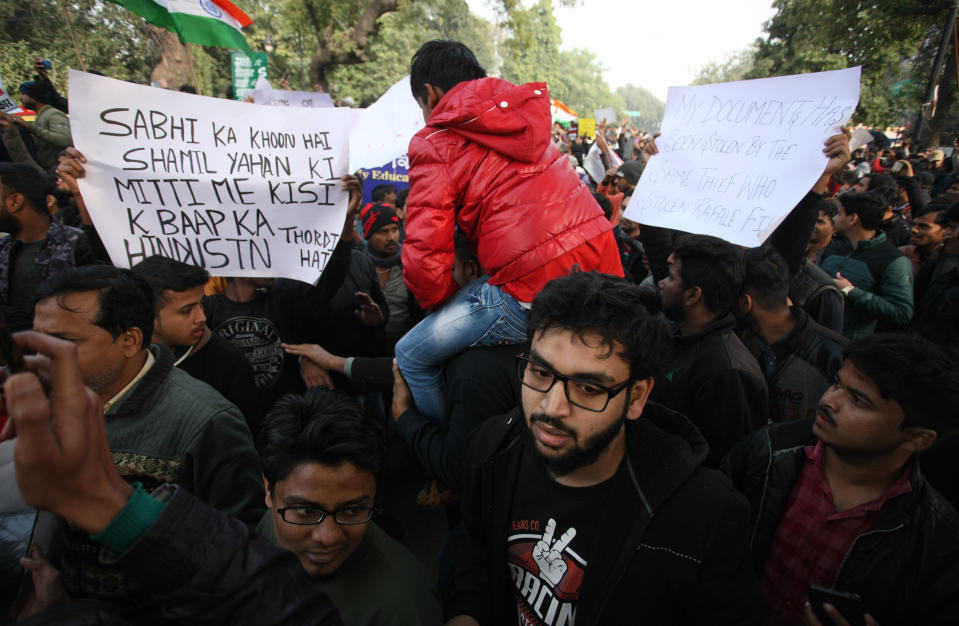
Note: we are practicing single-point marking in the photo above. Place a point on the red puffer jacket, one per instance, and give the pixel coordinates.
(485, 163)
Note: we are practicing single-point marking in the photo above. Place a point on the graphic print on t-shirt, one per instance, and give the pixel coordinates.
(259, 340)
(545, 571)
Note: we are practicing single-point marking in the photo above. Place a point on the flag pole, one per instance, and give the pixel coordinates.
(73, 37)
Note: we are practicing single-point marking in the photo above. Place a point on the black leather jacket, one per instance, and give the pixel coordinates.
(906, 569)
(206, 568)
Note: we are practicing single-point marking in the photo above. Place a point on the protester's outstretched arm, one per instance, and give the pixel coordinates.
(338, 266)
(369, 374)
(69, 169)
(791, 237)
(204, 566)
(13, 141)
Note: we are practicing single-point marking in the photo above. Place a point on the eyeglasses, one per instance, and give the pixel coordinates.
(312, 515)
(585, 394)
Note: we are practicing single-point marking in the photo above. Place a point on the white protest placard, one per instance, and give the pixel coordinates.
(593, 163)
(7, 103)
(228, 186)
(860, 138)
(265, 94)
(607, 115)
(735, 158)
(383, 130)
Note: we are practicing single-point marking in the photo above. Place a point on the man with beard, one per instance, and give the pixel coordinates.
(576, 506)
(38, 248)
(710, 377)
(839, 500)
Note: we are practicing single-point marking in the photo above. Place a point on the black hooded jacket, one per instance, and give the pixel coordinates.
(675, 552)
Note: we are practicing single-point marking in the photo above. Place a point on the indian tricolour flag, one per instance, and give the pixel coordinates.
(562, 113)
(206, 22)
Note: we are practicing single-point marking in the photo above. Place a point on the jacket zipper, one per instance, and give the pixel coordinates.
(478, 116)
(853, 547)
(762, 499)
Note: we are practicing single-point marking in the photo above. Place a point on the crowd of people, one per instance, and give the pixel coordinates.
(623, 423)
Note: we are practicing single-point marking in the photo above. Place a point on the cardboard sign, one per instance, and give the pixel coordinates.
(587, 127)
(228, 186)
(396, 173)
(7, 103)
(607, 115)
(384, 129)
(265, 94)
(245, 72)
(735, 158)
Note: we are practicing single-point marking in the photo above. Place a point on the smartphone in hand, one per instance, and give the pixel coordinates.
(849, 605)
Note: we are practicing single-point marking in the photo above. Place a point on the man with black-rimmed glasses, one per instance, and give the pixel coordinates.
(320, 452)
(588, 504)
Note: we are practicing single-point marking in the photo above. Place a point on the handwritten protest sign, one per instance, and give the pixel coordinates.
(7, 104)
(228, 186)
(607, 115)
(587, 127)
(735, 158)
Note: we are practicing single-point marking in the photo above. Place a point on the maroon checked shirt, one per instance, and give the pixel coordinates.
(813, 538)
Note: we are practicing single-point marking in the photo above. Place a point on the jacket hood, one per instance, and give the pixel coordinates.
(514, 120)
(665, 449)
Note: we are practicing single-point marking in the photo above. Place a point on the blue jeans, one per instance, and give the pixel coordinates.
(479, 314)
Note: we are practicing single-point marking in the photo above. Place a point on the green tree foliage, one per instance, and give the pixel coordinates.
(736, 67)
(818, 35)
(642, 100)
(111, 39)
(531, 51)
(522, 47)
(580, 85)
(401, 34)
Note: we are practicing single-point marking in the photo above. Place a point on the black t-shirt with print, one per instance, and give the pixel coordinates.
(549, 542)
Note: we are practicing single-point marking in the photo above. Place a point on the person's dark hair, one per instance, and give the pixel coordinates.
(604, 204)
(322, 426)
(948, 215)
(885, 188)
(401, 197)
(28, 180)
(126, 300)
(867, 205)
(916, 373)
(713, 265)
(849, 177)
(830, 207)
(186, 88)
(926, 210)
(63, 198)
(767, 278)
(164, 274)
(611, 307)
(379, 192)
(442, 63)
